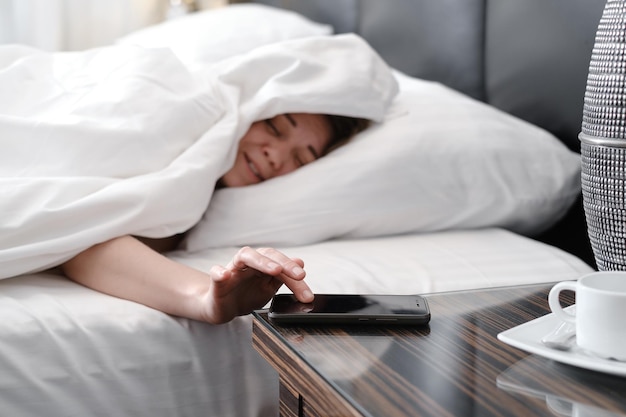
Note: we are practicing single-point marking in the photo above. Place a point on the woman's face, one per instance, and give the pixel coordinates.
(278, 146)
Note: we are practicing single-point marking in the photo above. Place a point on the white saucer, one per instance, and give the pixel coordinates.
(528, 337)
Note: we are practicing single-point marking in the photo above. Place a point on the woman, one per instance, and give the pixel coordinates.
(119, 142)
(134, 268)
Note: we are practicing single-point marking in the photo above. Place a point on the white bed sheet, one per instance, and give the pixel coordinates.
(421, 263)
(67, 350)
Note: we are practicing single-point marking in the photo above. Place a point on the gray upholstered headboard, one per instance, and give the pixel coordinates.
(526, 57)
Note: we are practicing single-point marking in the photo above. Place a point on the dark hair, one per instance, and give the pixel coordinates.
(343, 128)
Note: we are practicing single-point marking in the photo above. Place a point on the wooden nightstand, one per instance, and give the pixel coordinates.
(450, 368)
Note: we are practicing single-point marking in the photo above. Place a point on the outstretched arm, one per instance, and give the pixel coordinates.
(127, 268)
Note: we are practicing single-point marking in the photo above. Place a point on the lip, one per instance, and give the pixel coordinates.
(253, 168)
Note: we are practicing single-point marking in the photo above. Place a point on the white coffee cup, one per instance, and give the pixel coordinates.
(600, 316)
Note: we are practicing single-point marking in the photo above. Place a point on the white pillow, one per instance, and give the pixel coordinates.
(209, 36)
(440, 161)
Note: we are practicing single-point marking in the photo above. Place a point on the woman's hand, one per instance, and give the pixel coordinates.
(250, 280)
(127, 268)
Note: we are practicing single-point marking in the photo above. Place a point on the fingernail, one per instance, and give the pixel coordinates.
(273, 265)
(307, 295)
(296, 270)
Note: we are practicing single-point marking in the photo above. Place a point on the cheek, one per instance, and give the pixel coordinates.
(252, 135)
(287, 168)
(232, 177)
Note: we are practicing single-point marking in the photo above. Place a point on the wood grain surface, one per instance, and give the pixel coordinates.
(456, 366)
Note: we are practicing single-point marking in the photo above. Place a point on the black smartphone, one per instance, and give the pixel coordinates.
(351, 309)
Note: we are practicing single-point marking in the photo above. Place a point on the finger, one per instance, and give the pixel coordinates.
(239, 261)
(298, 261)
(300, 290)
(218, 273)
(292, 267)
(247, 257)
(268, 261)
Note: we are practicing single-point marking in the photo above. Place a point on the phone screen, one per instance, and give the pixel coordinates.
(340, 308)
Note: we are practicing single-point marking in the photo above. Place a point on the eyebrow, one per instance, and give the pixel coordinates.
(291, 119)
(294, 124)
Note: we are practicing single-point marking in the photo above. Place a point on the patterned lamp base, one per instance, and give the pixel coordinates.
(603, 140)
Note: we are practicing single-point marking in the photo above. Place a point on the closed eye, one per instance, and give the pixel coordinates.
(313, 152)
(272, 127)
(306, 156)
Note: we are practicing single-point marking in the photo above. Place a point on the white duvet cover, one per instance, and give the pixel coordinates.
(66, 350)
(125, 140)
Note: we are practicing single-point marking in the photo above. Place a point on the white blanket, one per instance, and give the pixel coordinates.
(122, 140)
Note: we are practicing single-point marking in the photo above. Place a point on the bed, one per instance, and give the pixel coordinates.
(470, 179)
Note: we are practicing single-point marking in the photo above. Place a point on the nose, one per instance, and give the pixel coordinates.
(279, 157)
(274, 159)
